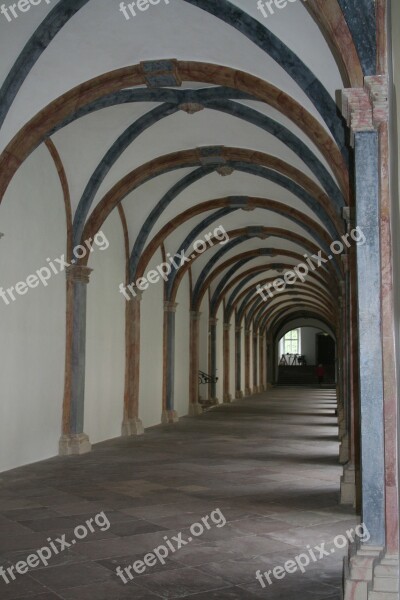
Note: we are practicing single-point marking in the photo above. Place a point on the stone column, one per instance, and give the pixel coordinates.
(194, 407)
(348, 479)
(386, 573)
(212, 330)
(169, 415)
(255, 363)
(270, 362)
(226, 367)
(238, 363)
(363, 557)
(131, 424)
(73, 440)
(247, 390)
(261, 343)
(344, 433)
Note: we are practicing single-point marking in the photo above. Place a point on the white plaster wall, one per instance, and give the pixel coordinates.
(105, 336)
(32, 350)
(151, 354)
(182, 348)
(308, 343)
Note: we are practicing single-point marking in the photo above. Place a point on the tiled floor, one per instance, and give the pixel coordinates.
(269, 464)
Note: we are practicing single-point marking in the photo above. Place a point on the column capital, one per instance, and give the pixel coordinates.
(170, 306)
(227, 326)
(138, 297)
(247, 331)
(212, 321)
(238, 329)
(377, 87)
(78, 273)
(195, 315)
(366, 108)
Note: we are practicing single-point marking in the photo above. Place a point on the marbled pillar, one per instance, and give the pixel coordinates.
(131, 424)
(194, 406)
(370, 335)
(169, 415)
(226, 366)
(238, 362)
(348, 452)
(74, 440)
(212, 340)
(255, 363)
(373, 571)
(261, 343)
(247, 338)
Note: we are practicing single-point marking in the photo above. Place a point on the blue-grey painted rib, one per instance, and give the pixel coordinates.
(288, 60)
(44, 34)
(361, 20)
(110, 158)
(288, 138)
(155, 213)
(220, 287)
(224, 10)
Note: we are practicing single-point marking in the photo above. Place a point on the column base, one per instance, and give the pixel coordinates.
(74, 444)
(132, 427)
(227, 398)
(261, 388)
(256, 389)
(385, 584)
(247, 392)
(238, 394)
(269, 386)
(213, 401)
(169, 416)
(344, 450)
(359, 569)
(348, 485)
(195, 409)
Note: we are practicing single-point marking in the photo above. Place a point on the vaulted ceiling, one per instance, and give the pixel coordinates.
(191, 115)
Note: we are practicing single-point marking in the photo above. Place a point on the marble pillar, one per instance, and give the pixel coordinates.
(247, 339)
(169, 415)
(131, 424)
(238, 362)
(195, 407)
(255, 363)
(73, 439)
(212, 340)
(226, 367)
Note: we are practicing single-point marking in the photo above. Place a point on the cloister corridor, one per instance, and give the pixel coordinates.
(268, 462)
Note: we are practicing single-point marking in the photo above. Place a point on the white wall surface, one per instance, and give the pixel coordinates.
(105, 336)
(32, 341)
(308, 344)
